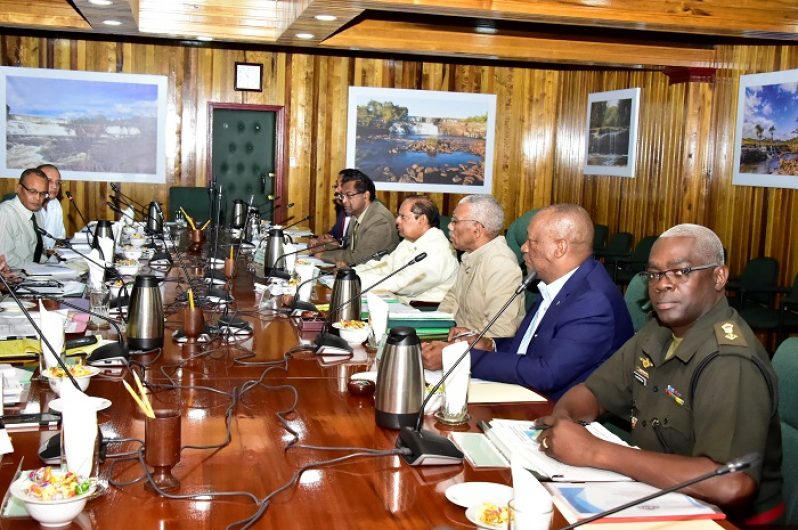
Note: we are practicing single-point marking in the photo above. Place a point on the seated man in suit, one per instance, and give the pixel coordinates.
(51, 211)
(579, 322)
(20, 243)
(371, 229)
(427, 280)
(695, 383)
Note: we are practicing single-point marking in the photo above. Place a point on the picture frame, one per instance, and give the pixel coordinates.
(766, 132)
(611, 132)
(249, 77)
(432, 141)
(95, 126)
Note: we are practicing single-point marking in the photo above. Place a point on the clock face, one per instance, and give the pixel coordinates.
(249, 76)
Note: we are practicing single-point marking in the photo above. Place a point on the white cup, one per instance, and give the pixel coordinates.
(523, 517)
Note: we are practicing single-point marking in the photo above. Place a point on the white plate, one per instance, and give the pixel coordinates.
(11, 306)
(472, 514)
(468, 494)
(98, 402)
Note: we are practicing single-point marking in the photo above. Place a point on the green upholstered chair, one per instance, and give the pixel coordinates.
(445, 220)
(625, 268)
(785, 362)
(619, 245)
(194, 200)
(638, 302)
(516, 234)
(781, 320)
(600, 235)
(756, 284)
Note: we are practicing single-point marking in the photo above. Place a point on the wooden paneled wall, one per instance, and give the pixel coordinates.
(684, 151)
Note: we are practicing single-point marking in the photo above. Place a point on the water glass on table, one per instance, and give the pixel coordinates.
(99, 297)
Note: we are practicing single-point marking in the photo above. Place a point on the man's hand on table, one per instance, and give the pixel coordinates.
(568, 441)
(431, 354)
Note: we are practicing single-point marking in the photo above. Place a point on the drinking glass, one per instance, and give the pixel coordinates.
(521, 517)
(99, 297)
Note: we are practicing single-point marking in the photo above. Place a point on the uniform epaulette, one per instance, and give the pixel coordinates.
(727, 333)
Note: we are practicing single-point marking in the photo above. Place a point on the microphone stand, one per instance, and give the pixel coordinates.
(85, 222)
(119, 350)
(738, 464)
(38, 330)
(428, 447)
(118, 191)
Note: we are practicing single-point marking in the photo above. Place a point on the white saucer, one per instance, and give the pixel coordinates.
(472, 514)
(99, 403)
(468, 494)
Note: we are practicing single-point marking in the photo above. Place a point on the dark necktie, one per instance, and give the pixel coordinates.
(355, 228)
(37, 254)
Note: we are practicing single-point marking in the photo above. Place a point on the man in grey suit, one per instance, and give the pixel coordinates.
(371, 229)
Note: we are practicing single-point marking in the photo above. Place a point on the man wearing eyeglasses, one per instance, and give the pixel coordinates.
(19, 241)
(51, 210)
(695, 384)
(579, 322)
(371, 228)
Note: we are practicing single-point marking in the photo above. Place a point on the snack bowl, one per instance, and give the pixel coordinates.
(353, 331)
(137, 240)
(51, 513)
(127, 267)
(82, 374)
(131, 252)
(115, 287)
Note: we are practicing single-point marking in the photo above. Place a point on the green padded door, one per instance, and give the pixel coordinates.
(243, 157)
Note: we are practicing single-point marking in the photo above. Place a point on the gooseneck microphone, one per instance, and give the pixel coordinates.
(129, 205)
(428, 447)
(38, 330)
(306, 218)
(106, 355)
(738, 464)
(325, 339)
(110, 270)
(118, 191)
(85, 222)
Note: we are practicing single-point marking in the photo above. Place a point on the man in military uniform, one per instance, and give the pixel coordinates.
(695, 384)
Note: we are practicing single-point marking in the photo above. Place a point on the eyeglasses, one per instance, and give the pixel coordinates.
(454, 221)
(41, 194)
(674, 275)
(342, 196)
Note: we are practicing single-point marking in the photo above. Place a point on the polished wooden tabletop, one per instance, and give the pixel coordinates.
(364, 492)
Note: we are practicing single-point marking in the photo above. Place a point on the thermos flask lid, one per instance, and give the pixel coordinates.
(346, 274)
(403, 336)
(146, 280)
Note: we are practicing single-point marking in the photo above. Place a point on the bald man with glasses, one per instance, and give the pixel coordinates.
(19, 241)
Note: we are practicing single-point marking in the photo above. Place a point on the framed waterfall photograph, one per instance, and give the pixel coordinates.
(422, 140)
(766, 139)
(94, 126)
(611, 132)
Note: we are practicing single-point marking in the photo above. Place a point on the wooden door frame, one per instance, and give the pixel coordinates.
(279, 148)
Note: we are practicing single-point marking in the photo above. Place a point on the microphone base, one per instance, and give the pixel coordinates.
(428, 448)
(333, 341)
(115, 354)
(230, 321)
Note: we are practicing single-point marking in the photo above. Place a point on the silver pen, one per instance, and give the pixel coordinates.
(464, 334)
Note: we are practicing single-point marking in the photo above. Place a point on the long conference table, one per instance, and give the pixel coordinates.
(366, 492)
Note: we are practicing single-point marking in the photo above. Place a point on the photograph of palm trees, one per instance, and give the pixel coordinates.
(612, 132)
(92, 125)
(766, 143)
(422, 140)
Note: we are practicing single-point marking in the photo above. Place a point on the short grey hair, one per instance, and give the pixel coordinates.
(708, 242)
(486, 210)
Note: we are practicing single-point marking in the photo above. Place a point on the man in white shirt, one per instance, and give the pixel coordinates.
(19, 241)
(428, 280)
(51, 211)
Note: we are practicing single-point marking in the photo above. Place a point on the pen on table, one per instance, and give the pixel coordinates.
(464, 334)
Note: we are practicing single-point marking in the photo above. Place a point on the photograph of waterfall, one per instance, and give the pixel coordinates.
(612, 132)
(766, 143)
(422, 140)
(94, 126)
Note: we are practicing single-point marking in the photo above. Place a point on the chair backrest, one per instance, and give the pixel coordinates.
(619, 243)
(516, 234)
(643, 249)
(758, 273)
(785, 362)
(637, 301)
(600, 235)
(194, 200)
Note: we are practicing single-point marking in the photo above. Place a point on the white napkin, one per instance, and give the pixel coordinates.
(378, 316)
(107, 247)
(96, 272)
(289, 261)
(306, 272)
(52, 326)
(455, 391)
(527, 491)
(79, 424)
(129, 216)
(116, 229)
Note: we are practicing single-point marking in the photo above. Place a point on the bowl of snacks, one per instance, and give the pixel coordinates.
(115, 287)
(353, 331)
(51, 496)
(131, 252)
(127, 267)
(137, 240)
(82, 374)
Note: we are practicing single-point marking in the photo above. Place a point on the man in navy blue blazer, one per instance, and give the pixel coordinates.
(580, 321)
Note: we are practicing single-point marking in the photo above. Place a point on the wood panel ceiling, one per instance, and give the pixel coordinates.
(625, 33)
